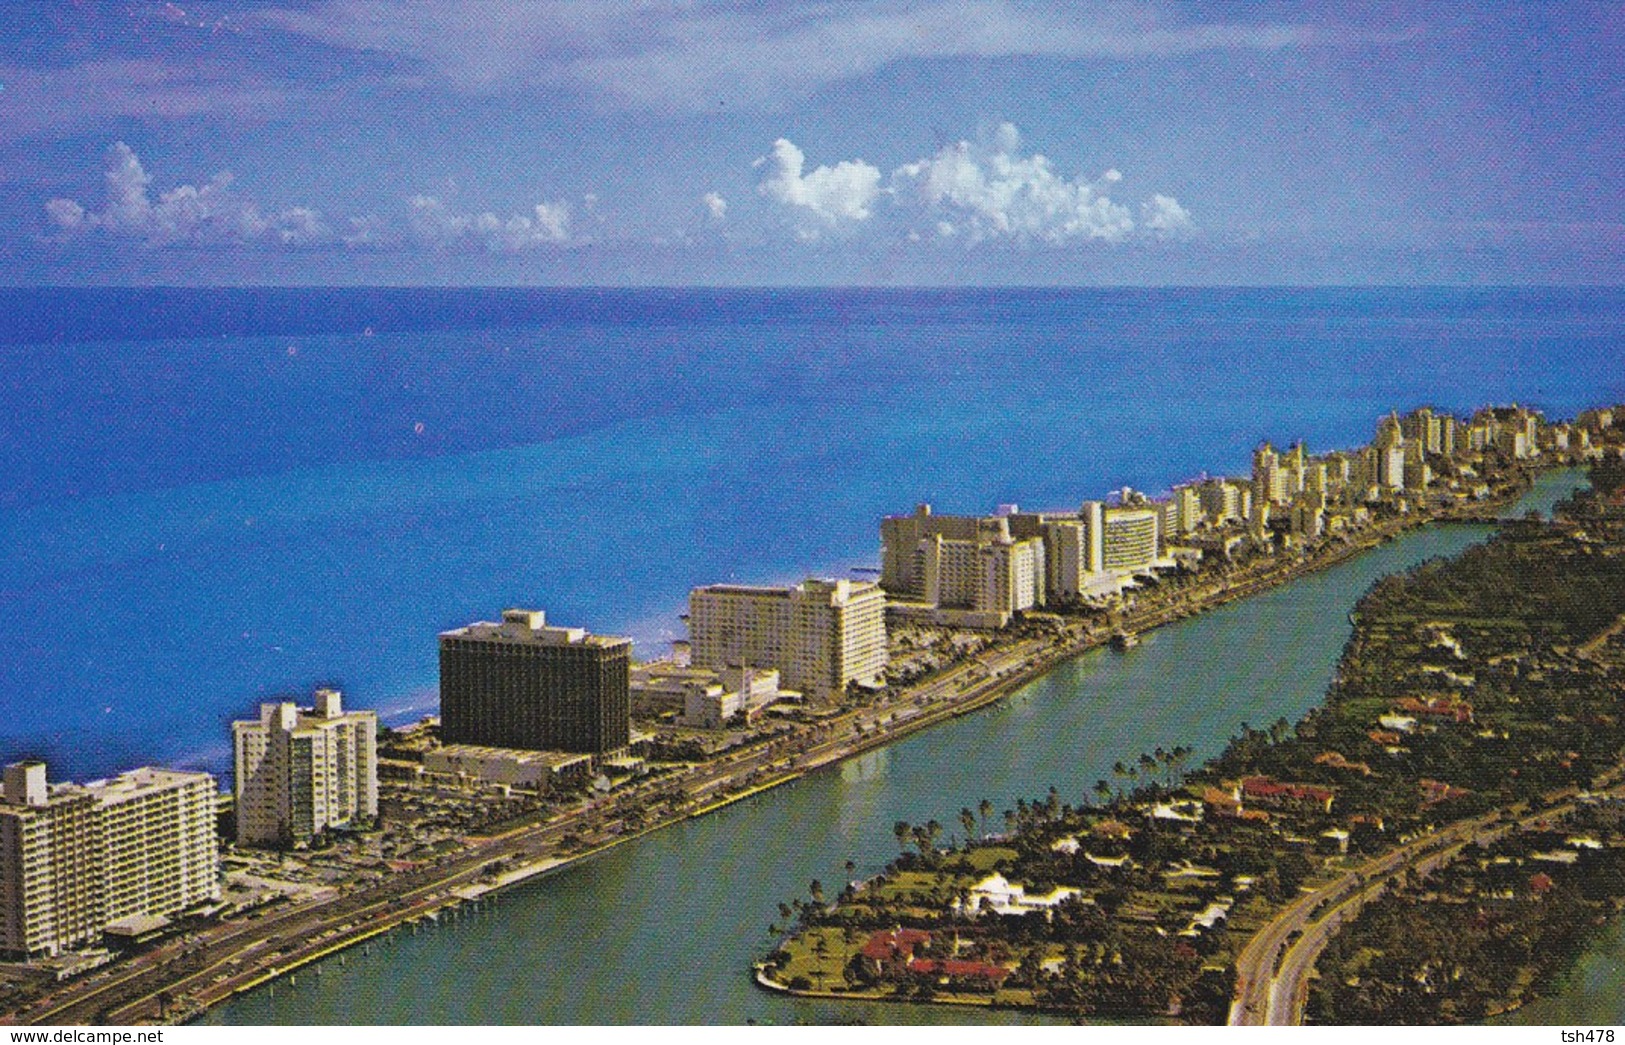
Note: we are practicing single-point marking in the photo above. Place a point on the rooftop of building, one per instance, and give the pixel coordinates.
(838, 587)
(131, 784)
(138, 783)
(530, 627)
(327, 709)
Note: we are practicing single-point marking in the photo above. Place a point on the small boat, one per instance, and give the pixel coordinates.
(1124, 640)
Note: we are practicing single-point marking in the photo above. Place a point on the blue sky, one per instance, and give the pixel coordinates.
(944, 141)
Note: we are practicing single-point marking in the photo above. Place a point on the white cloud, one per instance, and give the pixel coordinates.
(213, 214)
(992, 193)
(716, 206)
(207, 215)
(369, 232)
(1164, 216)
(53, 100)
(842, 193)
(693, 54)
(970, 192)
(436, 225)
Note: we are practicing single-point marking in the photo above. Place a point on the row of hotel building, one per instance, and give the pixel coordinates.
(522, 700)
(120, 857)
(519, 683)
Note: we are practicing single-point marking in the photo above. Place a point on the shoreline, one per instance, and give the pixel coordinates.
(960, 689)
(1282, 936)
(1479, 513)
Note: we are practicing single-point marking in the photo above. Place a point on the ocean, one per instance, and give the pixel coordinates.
(213, 497)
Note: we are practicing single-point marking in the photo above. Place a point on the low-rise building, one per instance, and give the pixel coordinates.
(1001, 896)
(511, 767)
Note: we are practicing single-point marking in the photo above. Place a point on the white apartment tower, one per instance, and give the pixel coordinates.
(301, 771)
(821, 635)
(1224, 500)
(1188, 512)
(75, 859)
(1269, 478)
(1131, 539)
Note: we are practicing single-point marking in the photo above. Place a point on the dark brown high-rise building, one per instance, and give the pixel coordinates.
(522, 684)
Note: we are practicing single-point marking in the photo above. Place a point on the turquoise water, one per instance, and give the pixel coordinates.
(663, 929)
(208, 498)
(1592, 994)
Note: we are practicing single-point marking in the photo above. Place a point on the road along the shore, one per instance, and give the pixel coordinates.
(179, 981)
(1272, 973)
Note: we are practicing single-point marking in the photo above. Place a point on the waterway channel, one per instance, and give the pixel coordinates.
(664, 929)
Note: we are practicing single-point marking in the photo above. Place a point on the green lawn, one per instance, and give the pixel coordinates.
(823, 968)
(908, 886)
(983, 859)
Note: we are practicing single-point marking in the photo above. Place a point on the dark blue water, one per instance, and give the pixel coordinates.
(207, 497)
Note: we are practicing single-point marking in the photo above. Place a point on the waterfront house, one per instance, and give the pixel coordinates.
(1265, 791)
(955, 972)
(1002, 896)
(891, 949)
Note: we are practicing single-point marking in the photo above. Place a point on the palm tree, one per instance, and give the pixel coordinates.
(816, 891)
(968, 818)
(1180, 756)
(1104, 790)
(984, 807)
(902, 831)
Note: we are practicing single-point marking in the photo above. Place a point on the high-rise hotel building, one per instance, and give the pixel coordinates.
(979, 568)
(301, 771)
(1131, 538)
(519, 683)
(821, 635)
(76, 859)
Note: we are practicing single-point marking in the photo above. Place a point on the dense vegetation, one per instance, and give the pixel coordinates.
(1486, 682)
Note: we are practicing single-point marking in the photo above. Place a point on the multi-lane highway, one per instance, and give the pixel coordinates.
(1272, 972)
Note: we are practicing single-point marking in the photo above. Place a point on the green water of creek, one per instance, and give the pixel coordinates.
(664, 929)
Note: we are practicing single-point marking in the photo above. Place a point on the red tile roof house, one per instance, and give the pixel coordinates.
(1455, 710)
(891, 949)
(954, 972)
(1336, 760)
(1264, 791)
(1435, 791)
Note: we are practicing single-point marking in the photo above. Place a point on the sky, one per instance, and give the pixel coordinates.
(958, 142)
